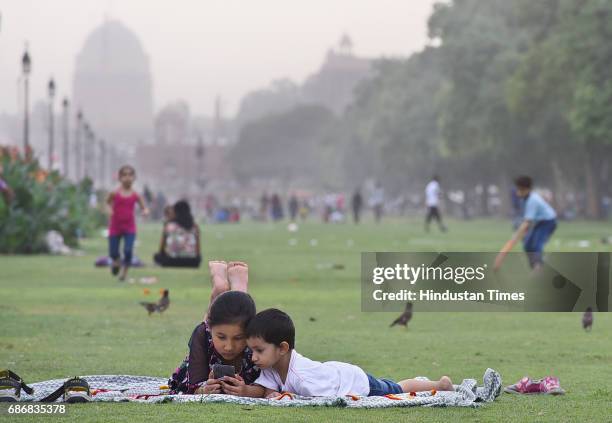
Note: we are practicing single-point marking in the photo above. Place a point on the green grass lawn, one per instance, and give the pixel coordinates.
(61, 317)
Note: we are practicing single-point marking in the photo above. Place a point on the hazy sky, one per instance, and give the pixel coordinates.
(201, 48)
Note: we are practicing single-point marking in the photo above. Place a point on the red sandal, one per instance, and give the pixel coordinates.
(549, 385)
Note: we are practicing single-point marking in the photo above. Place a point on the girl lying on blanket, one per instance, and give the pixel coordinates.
(221, 337)
(271, 337)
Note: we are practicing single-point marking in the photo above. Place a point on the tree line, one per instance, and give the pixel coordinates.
(504, 87)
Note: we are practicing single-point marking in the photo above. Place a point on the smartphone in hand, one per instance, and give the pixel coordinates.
(221, 370)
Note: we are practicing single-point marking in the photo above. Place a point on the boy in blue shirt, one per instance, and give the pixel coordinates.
(539, 223)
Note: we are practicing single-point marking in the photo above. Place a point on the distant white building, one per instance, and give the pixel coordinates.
(113, 86)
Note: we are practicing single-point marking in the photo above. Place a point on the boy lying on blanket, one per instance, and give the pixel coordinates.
(271, 337)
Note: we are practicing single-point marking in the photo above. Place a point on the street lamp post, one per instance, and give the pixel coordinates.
(200, 176)
(86, 147)
(77, 146)
(51, 88)
(26, 66)
(92, 155)
(90, 152)
(65, 155)
(113, 161)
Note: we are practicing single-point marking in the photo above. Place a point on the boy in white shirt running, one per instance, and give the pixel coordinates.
(271, 337)
(432, 201)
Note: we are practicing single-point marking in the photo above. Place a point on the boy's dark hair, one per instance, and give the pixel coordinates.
(126, 167)
(273, 326)
(523, 182)
(231, 307)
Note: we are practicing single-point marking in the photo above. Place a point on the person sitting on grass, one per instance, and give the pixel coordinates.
(180, 241)
(538, 224)
(271, 337)
(221, 338)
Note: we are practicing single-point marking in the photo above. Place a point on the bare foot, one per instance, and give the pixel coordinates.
(218, 278)
(445, 384)
(238, 275)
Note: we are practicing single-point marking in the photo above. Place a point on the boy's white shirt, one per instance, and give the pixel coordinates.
(311, 378)
(432, 194)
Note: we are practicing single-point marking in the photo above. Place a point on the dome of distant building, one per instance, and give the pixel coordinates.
(334, 84)
(113, 85)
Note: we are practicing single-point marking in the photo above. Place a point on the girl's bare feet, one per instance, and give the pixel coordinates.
(238, 275)
(218, 278)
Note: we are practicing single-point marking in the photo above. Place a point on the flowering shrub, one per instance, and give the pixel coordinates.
(42, 201)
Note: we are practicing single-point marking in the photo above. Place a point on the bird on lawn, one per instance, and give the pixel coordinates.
(160, 306)
(587, 319)
(404, 317)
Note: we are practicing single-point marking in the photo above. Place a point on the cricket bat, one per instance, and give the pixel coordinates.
(508, 246)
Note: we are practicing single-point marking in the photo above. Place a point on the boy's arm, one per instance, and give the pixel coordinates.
(271, 393)
(255, 391)
(262, 387)
(262, 391)
(236, 386)
(258, 391)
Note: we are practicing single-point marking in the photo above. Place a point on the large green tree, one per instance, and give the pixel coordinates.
(481, 46)
(390, 133)
(564, 87)
(505, 87)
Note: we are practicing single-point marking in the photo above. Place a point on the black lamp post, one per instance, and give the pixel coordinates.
(51, 88)
(65, 155)
(112, 160)
(77, 146)
(26, 67)
(86, 147)
(200, 151)
(92, 155)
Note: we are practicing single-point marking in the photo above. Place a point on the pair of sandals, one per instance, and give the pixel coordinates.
(549, 385)
(74, 390)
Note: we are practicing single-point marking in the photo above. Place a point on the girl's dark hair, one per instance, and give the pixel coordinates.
(231, 307)
(182, 214)
(126, 167)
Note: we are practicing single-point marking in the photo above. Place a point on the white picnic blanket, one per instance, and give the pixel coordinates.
(146, 389)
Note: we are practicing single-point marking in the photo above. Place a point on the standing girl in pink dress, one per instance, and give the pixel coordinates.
(123, 221)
